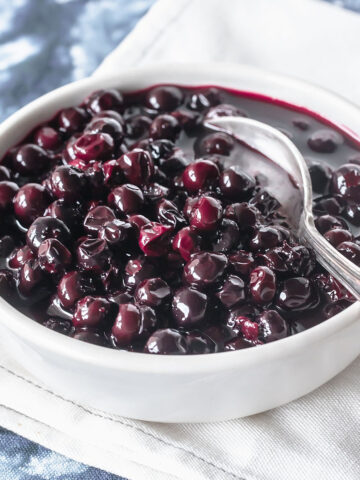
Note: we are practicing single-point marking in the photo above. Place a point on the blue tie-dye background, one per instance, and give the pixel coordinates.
(45, 44)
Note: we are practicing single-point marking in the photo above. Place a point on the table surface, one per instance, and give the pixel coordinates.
(45, 44)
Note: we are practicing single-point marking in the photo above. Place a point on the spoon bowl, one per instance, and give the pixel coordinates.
(279, 149)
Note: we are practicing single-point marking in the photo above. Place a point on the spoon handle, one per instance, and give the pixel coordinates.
(343, 269)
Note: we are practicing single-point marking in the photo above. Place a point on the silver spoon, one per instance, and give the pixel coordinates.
(277, 147)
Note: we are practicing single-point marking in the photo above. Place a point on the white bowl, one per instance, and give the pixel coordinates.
(183, 388)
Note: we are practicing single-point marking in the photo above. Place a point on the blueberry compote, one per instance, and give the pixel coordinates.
(126, 223)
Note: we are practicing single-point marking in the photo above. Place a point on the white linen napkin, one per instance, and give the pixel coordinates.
(314, 437)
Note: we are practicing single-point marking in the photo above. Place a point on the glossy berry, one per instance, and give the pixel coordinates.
(186, 242)
(73, 286)
(242, 262)
(113, 173)
(265, 237)
(109, 126)
(71, 213)
(325, 223)
(174, 163)
(137, 166)
(189, 307)
(53, 256)
(351, 251)
(272, 326)
(20, 256)
(68, 183)
(31, 159)
(164, 98)
(101, 100)
(47, 138)
(97, 217)
(137, 270)
(352, 213)
(47, 227)
(297, 294)
(31, 277)
(92, 146)
(154, 239)
(262, 285)
(206, 214)
(275, 258)
(199, 343)
(166, 341)
(111, 277)
(300, 260)
(205, 269)
(154, 192)
(137, 221)
(137, 126)
(164, 127)
(8, 190)
(189, 205)
(30, 202)
(338, 235)
(168, 214)
(232, 291)
(331, 288)
(199, 175)
(236, 184)
(243, 214)
(204, 98)
(133, 323)
(217, 143)
(158, 149)
(227, 236)
(301, 123)
(93, 255)
(72, 119)
(346, 181)
(249, 329)
(120, 296)
(327, 205)
(152, 292)
(115, 232)
(126, 199)
(189, 121)
(93, 312)
(324, 141)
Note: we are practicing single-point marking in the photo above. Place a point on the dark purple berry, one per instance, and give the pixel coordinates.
(152, 292)
(47, 227)
(262, 285)
(189, 307)
(166, 341)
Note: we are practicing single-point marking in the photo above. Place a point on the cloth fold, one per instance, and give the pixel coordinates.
(314, 437)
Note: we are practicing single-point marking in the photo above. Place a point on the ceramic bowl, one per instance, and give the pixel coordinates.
(199, 388)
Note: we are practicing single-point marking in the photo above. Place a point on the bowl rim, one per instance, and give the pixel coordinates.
(121, 360)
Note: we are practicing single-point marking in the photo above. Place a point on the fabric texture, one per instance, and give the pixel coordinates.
(314, 437)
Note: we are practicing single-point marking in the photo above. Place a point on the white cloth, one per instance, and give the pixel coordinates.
(316, 437)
